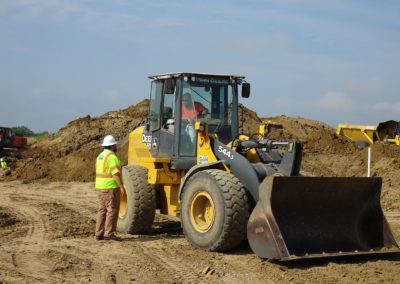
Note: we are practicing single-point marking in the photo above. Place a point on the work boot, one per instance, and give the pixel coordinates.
(113, 238)
(99, 238)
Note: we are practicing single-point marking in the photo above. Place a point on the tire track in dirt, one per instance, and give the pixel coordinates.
(182, 271)
(48, 223)
(13, 229)
(82, 200)
(26, 250)
(70, 254)
(31, 255)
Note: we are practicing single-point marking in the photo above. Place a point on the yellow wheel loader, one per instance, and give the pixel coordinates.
(189, 160)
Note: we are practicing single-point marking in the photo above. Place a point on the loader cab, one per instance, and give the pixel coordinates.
(178, 100)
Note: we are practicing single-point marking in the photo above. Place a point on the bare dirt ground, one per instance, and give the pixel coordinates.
(46, 234)
(48, 208)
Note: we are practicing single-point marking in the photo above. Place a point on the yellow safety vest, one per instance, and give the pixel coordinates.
(4, 164)
(107, 165)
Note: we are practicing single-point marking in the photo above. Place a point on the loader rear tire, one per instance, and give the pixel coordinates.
(215, 210)
(138, 205)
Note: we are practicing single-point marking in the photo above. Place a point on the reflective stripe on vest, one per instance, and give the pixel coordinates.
(104, 178)
(103, 175)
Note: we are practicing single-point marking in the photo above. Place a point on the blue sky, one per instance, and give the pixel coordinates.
(333, 61)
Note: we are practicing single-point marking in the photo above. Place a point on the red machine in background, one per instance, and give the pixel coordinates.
(9, 139)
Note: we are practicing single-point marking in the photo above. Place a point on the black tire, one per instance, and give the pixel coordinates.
(230, 210)
(138, 206)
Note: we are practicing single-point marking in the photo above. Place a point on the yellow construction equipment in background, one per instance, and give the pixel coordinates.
(190, 161)
(364, 135)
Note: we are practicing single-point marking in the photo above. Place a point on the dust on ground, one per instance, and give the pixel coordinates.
(48, 206)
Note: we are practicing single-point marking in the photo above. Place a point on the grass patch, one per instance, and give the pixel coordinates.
(38, 137)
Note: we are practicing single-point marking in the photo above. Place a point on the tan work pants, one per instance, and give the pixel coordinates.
(107, 216)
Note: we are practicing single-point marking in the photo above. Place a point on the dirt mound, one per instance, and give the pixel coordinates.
(70, 154)
(317, 137)
(248, 120)
(327, 154)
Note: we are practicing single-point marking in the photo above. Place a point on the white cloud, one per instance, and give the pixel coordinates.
(336, 101)
(252, 44)
(89, 14)
(127, 26)
(27, 10)
(370, 87)
(341, 107)
(387, 110)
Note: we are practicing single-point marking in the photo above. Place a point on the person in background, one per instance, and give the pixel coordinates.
(3, 163)
(109, 188)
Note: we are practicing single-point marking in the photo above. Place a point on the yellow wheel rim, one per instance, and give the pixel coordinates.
(123, 206)
(202, 212)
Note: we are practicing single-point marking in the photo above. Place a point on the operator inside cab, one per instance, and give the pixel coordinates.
(191, 110)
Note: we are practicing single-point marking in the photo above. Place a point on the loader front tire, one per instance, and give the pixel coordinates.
(215, 210)
(138, 205)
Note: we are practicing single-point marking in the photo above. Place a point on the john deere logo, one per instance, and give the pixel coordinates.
(146, 138)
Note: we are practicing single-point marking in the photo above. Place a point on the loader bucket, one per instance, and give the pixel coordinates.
(306, 217)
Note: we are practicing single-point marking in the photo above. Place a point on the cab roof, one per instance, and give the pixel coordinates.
(178, 74)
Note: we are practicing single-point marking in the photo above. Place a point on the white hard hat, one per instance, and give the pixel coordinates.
(109, 140)
(1, 159)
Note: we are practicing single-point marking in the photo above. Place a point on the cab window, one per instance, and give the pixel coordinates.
(155, 104)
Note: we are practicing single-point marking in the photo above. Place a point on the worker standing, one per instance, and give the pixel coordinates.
(109, 188)
(3, 163)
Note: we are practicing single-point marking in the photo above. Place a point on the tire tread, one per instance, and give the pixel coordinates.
(236, 209)
(140, 219)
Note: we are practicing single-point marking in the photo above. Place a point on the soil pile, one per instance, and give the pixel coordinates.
(47, 227)
(248, 120)
(327, 154)
(69, 155)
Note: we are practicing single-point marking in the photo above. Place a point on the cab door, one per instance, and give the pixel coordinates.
(162, 128)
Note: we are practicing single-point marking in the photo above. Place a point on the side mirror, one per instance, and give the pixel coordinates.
(169, 86)
(246, 90)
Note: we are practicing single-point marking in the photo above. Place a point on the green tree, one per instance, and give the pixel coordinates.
(23, 130)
